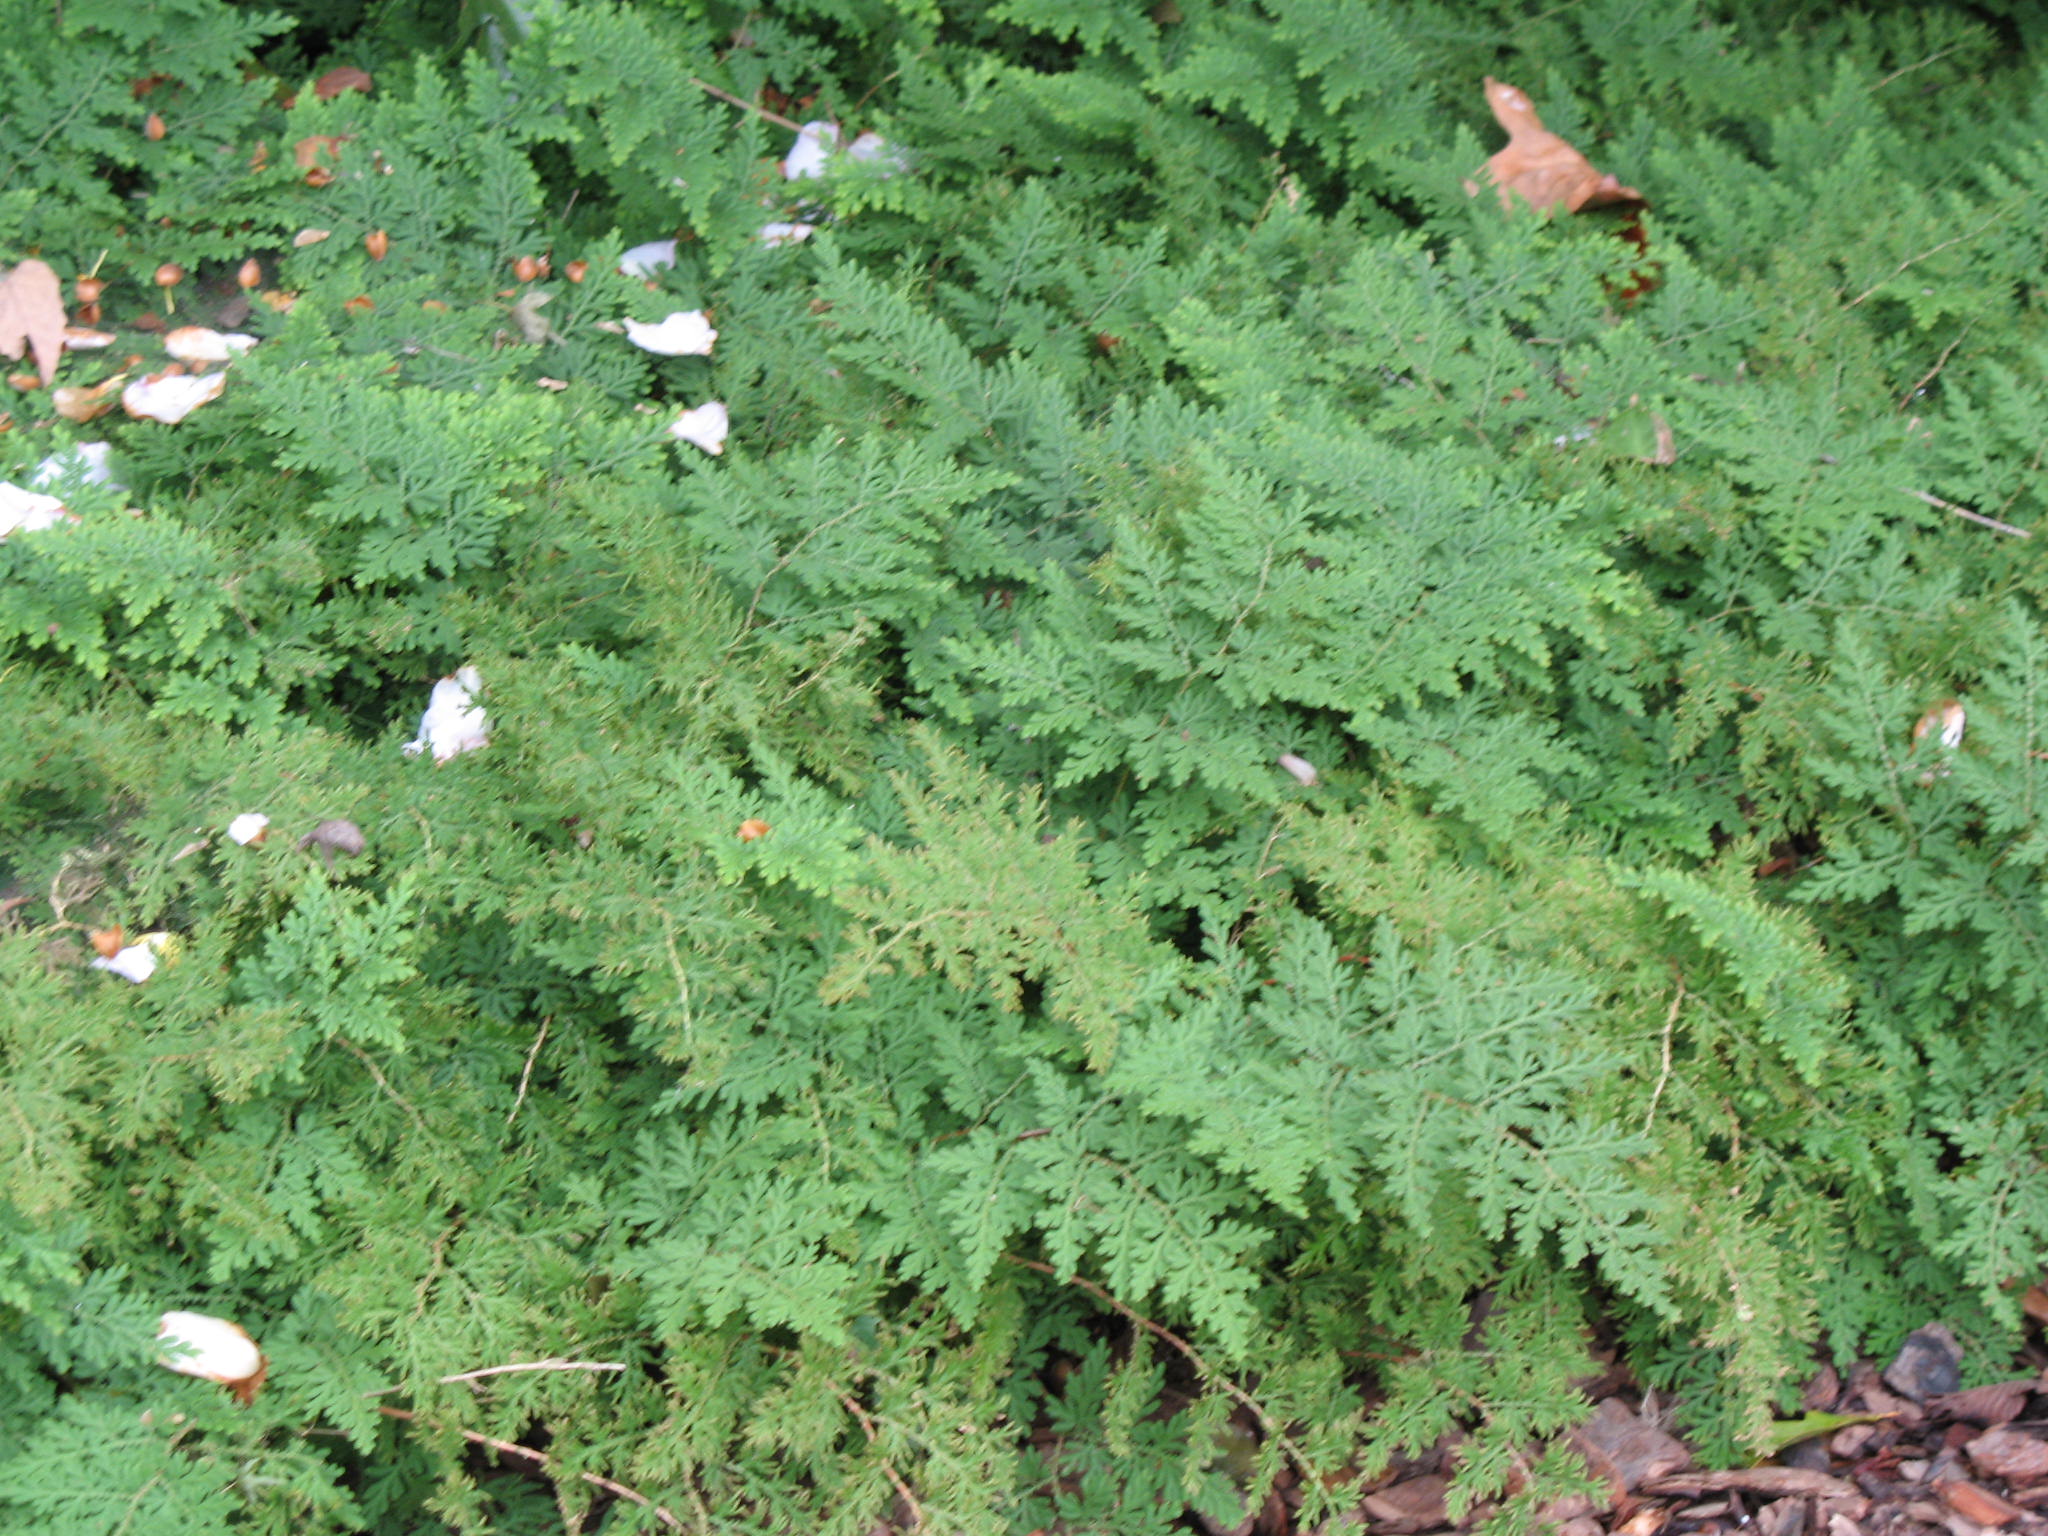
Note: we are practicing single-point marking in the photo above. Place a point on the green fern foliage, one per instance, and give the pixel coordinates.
(1248, 793)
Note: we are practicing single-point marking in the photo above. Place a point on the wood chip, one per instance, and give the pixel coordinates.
(1414, 1505)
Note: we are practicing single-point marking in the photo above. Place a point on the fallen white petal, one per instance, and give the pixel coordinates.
(28, 511)
(642, 260)
(813, 147)
(1949, 719)
(1303, 770)
(686, 333)
(705, 425)
(88, 461)
(80, 339)
(873, 147)
(454, 722)
(249, 827)
(173, 398)
(208, 1347)
(786, 234)
(198, 344)
(136, 963)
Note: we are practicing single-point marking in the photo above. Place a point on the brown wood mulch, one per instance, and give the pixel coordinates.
(1931, 1461)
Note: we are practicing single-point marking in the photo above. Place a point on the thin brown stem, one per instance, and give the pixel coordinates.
(867, 1427)
(747, 106)
(542, 1460)
(526, 1072)
(1193, 1356)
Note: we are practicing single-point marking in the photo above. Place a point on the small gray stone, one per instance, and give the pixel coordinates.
(1928, 1364)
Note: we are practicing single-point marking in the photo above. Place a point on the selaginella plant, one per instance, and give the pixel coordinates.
(846, 1015)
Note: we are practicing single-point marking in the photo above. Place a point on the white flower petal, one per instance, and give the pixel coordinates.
(705, 425)
(813, 147)
(197, 344)
(136, 963)
(88, 461)
(172, 398)
(249, 827)
(1303, 770)
(29, 511)
(454, 722)
(786, 234)
(644, 260)
(686, 333)
(208, 1347)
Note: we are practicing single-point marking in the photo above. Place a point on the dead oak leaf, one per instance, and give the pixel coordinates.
(32, 316)
(1538, 166)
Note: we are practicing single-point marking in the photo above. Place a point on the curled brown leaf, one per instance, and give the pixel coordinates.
(1538, 166)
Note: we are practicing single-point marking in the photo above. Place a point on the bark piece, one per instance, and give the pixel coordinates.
(2012, 1454)
(1771, 1480)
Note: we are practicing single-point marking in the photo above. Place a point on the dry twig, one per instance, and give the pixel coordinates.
(1193, 1356)
(1976, 517)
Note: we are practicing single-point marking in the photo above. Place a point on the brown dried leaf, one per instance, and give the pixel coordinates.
(307, 152)
(81, 404)
(1538, 166)
(1995, 1403)
(344, 78)
(1636, 1449)
(32, 316)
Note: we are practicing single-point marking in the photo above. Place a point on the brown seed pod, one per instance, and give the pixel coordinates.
(249, 274)
(377, 243)
(575, 270)
(107, 941)
(526, 269)
(153, 127)
(169, 275)
(89, 289)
